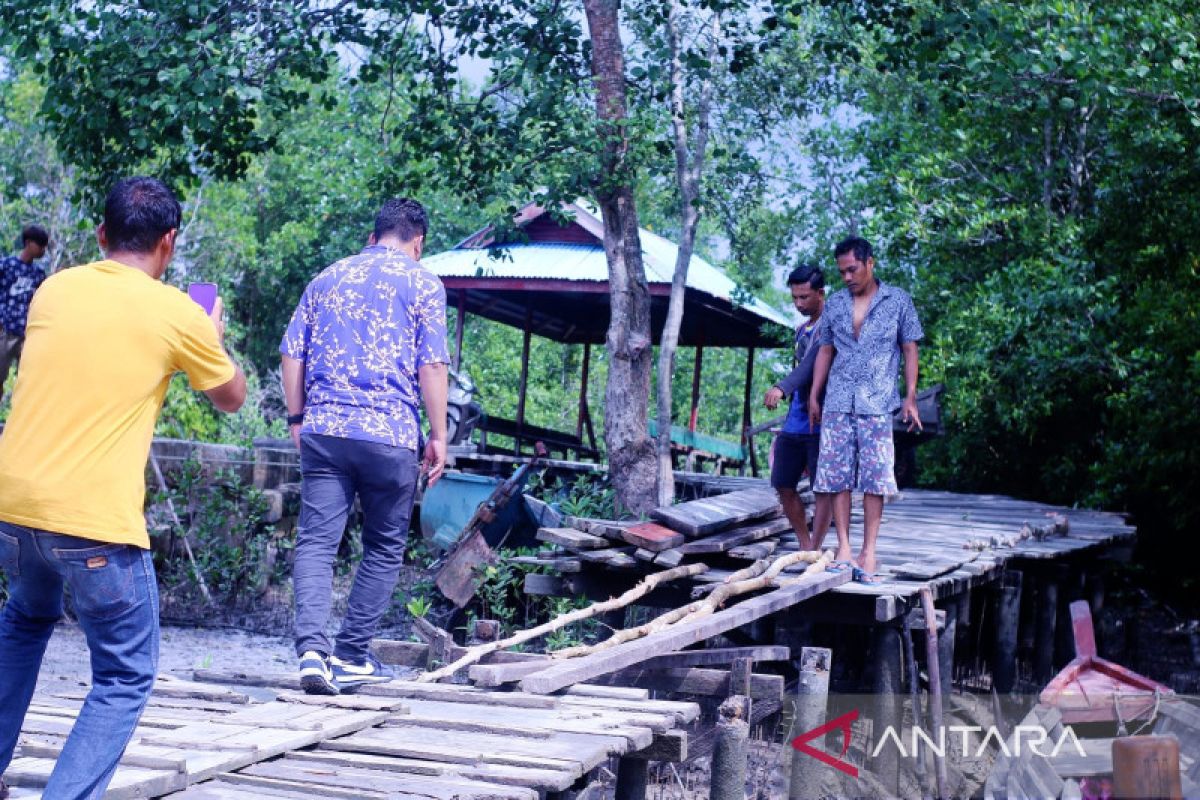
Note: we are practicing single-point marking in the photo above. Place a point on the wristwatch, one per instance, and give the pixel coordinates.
(295, 419)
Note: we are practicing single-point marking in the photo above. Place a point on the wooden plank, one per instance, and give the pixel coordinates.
(652, 536)
(721, 542)
(754, 552)
(380, 783)
(678, 636)
(533, 777)
(718, 655)
(571, 538)
(670, 746)
(619, 558)
(695, 681)
(712, 514)
(545, 585)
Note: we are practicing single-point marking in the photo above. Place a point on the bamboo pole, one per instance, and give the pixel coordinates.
(473, 655)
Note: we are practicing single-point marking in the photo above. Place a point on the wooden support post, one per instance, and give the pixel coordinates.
(697, 368)
(885, 657)
(1008, 615)
(631, 779)
(484, 631)
(583, 390)
(812, 692)
(746, 408)
(1047, 622)
(945, 651)
(459, 321)
(729, 753)
(933, 658)
(524, 380)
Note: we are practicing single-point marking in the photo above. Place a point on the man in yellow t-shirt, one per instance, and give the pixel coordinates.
(102, 343)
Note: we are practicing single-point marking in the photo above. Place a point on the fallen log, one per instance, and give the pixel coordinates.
(473, 654)
(757, 576)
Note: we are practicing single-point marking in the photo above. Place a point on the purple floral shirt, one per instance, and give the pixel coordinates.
(862, 379)
(363, 328)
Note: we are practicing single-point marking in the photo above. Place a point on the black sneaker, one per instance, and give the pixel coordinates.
(349, 676)
(315, 675)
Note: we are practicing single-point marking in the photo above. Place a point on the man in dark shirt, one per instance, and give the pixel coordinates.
(20, 277)
(867, 327)
(798, 443)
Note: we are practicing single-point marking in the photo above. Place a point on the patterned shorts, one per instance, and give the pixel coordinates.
(856, 454)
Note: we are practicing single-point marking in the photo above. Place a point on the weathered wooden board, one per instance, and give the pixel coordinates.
(299, 774)
(712, 514)
(572, 538)
(720, 542)
(677, 636)
(652, 536)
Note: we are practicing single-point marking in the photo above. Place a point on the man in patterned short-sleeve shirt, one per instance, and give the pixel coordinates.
(20, 277)
(368, 338)
(867, 327)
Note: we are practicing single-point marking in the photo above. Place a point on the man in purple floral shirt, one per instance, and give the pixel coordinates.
(868, 326)
(368, 338)
(20, 277)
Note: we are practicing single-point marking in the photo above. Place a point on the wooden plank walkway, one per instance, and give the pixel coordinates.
(948, 541)
(211, 739)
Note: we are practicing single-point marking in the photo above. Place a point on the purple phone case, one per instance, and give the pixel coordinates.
(205, 294)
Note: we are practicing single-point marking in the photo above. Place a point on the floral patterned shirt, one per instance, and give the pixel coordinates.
(862, 379)
(18, 282)
(363, 328)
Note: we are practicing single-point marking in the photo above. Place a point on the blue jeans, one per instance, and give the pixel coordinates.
(116, 600)
(333, 471)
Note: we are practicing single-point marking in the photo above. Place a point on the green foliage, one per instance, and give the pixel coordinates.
(500, 595)
(418, 605)
(236, 554)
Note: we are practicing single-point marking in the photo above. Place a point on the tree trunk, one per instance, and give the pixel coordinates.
(688, 166)
(627, 397)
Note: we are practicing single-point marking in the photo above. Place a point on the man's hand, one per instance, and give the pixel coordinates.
(774, 395)
(910, 415)
(814, 413)
(434, 462)
(294, 430)
(218, 318)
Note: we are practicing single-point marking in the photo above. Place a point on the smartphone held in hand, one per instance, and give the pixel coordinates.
(205, 294)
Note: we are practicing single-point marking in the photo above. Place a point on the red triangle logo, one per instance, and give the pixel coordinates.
(842, 723)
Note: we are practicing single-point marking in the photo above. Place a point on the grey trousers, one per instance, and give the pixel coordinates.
(333, 471)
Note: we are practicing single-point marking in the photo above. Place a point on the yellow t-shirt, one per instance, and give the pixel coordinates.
(102, 342)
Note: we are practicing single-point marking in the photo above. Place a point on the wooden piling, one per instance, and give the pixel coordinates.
(728, 780)
(946, 645)
(933, 657)
(1047, 624)
(1008, 616)
(885, 657)
(631, 779)
(812, 693)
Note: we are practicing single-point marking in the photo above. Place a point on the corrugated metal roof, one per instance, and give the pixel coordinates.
(565, 262)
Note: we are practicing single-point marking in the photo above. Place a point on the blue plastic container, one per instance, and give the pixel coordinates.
(451, 502)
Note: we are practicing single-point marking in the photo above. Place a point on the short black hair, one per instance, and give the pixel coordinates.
(138, 212)
(860, 247)
(36, 234)
(404, 217)
(807, 273)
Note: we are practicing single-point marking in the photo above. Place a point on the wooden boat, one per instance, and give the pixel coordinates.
(1088, 706)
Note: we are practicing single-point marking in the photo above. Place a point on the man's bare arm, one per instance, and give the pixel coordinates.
(820, 375)
(229, 396)
(292, 371)
(909, 406)
(434, 390)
